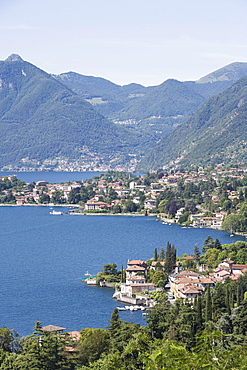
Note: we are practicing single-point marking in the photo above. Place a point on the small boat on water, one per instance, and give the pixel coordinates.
(56, 212)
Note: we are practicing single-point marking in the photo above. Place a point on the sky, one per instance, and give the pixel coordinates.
(126, 41)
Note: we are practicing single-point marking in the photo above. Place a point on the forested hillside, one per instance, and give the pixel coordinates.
(47, 119)
(215, 133)
(40, 118)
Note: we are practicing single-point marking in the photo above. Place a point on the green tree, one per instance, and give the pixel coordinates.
(169, 259)
(110, 269)
(199, 316)
(240, 322)
(231, 223)
(155, 254)
(8, 339)
(95, 342)
(161, 255)
(217, 244)
(159, 278)
(196, 252)
(208, 243)
(162, 205)
(208, 308)
(44, 198)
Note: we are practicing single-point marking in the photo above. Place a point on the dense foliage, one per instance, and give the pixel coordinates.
(211, 334)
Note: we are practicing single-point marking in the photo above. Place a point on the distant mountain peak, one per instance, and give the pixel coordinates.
(14, 58)
(231, 72)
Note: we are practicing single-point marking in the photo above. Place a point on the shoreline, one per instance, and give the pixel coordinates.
(107, 214)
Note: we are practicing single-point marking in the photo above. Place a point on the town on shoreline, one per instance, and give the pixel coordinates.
(213, 197)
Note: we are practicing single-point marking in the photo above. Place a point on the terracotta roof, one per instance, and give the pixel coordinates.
(223, 273)
(135, 268)
(239, 267)
(52, 328)
(200, 280)
(75, 334)
(228, 261)
(135, 262)
(188, 273)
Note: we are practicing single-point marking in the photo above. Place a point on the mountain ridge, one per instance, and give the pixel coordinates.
(214, 134)
(42, 118)
(71, 116)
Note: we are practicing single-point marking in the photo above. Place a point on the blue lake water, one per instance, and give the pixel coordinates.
(51, 176)
(43, 258)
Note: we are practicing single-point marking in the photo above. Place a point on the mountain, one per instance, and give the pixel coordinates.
(153, 110)
(104, 95)
(218, 81)
(40, 118)
(216, 133)
(73, 117)
(169, 99)
(231, 72)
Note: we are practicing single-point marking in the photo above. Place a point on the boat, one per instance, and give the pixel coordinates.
(87, 274)
(56, 212)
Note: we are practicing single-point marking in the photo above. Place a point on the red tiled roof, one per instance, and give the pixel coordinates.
(135, 262)
(135, 268)
(239, 267)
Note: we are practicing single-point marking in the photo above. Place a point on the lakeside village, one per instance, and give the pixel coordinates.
(214, 197)
(186, 277)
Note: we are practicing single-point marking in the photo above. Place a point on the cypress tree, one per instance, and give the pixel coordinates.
(115, 323)
(196, 253)
(217, 244)
(155, 254)
(231, 300)
(227, 301)
(168, 262)
(199, 319)
(238, 295)
(173, 255)
(162, 254)
(122, 274)
(208, 309)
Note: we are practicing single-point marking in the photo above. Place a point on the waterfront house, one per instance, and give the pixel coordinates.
(188, 284)
(94, 204)
(136, 267)
(150, 203)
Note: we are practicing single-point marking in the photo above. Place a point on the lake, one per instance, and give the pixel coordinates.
(51, 176)
(44, 257)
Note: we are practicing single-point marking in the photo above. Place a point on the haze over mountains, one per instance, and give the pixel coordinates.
(47, 119)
